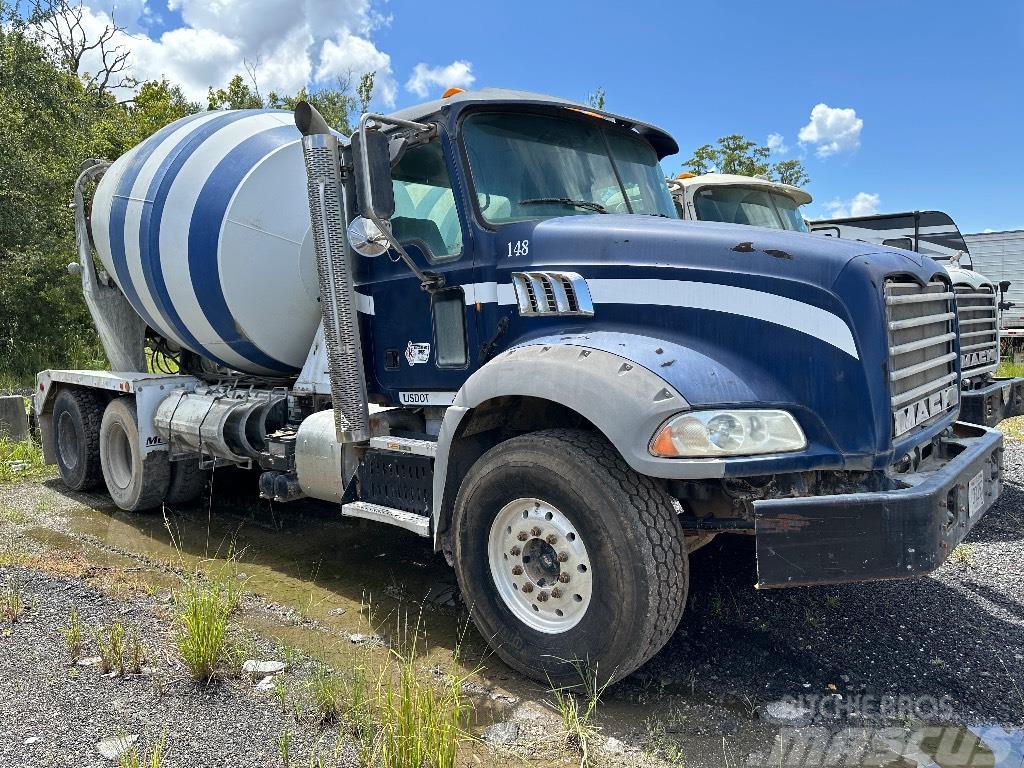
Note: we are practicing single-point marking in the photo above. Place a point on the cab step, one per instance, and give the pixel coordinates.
(418, 524)
(411, 445)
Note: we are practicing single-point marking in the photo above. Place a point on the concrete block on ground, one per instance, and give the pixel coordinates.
(13, 417)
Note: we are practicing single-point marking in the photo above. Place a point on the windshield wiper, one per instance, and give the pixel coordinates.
(584, 204)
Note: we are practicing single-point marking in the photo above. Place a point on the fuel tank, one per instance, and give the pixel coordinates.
(205, 228)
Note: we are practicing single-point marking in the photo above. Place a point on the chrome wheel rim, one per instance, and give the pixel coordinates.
(540, 565)
(67, 440)
(119, 454)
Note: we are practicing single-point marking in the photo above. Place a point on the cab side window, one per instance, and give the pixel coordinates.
(425, 213)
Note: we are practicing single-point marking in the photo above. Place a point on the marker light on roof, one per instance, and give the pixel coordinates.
(452, 92)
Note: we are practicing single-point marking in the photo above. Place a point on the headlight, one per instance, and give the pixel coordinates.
(704, 434)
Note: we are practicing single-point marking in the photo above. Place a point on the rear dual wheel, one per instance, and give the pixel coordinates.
(134, 482)
(568, 558)
(97, 442)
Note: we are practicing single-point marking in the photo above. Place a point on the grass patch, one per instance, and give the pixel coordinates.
(154, 758)
(577, 706)
(403, 719)
(1011, 370)
(203, 607)
(72, 635)
(963, 554)
(326, 689)
(21, 460)
(12, 602)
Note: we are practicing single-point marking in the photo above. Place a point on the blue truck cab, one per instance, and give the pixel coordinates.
(557, 317)
(525, 356)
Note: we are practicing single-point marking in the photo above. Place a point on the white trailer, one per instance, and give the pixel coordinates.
(1000, 255)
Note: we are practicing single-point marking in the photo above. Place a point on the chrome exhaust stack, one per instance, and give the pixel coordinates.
(328, 213)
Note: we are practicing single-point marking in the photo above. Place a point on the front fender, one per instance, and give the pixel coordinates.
(624, 400)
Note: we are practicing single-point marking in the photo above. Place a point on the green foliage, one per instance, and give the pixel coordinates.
(596, 99)
(52, 117)
(21, 460)
(737, 154)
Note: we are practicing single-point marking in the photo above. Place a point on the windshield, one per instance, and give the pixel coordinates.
(535, 166)
(749, 205)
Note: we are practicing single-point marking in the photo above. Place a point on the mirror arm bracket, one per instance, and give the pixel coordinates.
(429, 281)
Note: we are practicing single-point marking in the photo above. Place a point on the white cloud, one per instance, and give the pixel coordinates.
(292, 44)
(458, 74)
(861, 204)
(832, 130)
(777, 144)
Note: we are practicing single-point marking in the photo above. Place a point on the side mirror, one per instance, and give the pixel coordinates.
(371, 156)
(1004, 286)
(366, 238)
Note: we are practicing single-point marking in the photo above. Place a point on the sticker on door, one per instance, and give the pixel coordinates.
(417, 353)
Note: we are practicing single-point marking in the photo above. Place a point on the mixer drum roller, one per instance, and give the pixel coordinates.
(205, 228)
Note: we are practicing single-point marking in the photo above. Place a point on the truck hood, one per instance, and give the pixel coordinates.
(732, 314)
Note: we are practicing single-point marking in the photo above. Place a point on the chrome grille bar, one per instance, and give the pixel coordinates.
(922, 352)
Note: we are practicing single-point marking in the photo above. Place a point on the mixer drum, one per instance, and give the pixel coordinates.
(205, 228)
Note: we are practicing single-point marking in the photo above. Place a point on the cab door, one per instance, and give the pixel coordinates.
(421, 341)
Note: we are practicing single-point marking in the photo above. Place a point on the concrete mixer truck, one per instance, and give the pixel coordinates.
(480, 320)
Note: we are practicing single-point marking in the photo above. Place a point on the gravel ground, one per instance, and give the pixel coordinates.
(55, 712)
(946, 648)
(958, 633)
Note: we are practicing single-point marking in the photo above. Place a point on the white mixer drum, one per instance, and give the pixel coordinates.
(205, 228)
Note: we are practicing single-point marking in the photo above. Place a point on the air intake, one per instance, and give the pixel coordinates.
(552, 293)
(337, 297)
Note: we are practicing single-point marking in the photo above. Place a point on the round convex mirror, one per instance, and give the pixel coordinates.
(366, 238)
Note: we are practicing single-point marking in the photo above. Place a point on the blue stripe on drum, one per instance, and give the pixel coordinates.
(152, 217)
(119, 209)
(204, 234)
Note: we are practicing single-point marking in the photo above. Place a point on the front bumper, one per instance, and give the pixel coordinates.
(887, 534)
(991, 404)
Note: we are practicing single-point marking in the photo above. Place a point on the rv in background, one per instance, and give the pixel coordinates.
(1000, 255)
(985, 399)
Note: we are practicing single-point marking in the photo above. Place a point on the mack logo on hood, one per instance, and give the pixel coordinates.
(974, 359)
(920, 411)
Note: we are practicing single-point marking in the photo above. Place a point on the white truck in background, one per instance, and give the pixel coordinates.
(985, 398)
(738, 199)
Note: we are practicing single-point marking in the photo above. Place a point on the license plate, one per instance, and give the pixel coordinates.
(976, 493)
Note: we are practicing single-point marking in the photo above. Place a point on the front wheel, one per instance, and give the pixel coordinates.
(568, 558)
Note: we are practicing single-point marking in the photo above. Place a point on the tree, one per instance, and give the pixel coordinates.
(737, 154)
(596, 99)
(238, 95)
(60, 27)
(338, 105)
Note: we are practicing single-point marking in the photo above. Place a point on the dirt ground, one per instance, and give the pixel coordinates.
(921, 672)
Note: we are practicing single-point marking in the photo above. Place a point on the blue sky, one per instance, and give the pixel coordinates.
(923, 102)
(939, 85)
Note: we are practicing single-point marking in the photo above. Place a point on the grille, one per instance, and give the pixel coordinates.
(979, 331)
(922, 352)
(552, 293)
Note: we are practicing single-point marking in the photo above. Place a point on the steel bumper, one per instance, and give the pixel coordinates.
(882, 535)
(988, 406)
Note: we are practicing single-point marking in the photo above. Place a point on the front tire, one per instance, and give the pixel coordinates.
(134, 483)
(568, 557)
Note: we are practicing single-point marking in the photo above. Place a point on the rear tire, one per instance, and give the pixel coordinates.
(133, 483)
(596, 565)
(187, 482)
(76, 438)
